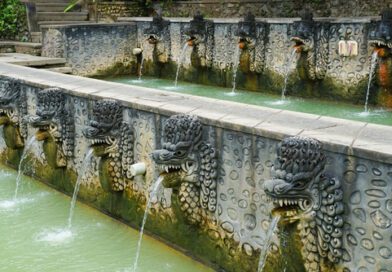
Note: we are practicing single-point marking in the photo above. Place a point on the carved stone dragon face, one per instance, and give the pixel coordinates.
(303, 36)
(178, 159)
(188, 163)
(247, 32)
(104, 129)
(50, 108)
(12, 107)
(300, 192)
(9, 97)
(293, 176)
(196, 33)
(55, 123)
(381, 39)
(155, 33)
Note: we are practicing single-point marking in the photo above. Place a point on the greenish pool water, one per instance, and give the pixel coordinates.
(315, 106)
(34, 237)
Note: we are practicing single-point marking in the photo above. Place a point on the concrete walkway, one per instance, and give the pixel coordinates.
(353, 138)
(53, 64)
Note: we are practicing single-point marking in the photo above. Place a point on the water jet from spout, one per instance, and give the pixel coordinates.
(373, 64)
(267, 242)
(289, 62)
(181, 59)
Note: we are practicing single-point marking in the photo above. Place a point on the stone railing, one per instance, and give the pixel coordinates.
(220, 162)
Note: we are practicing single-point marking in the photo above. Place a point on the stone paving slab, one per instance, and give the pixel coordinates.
(338, 135)
(29, 60)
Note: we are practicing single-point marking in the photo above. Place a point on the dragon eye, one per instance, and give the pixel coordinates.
(52, 127)
(179, 153)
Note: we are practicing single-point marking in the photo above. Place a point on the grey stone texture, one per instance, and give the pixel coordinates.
(92, 49)
(274, 8)
(245, 137)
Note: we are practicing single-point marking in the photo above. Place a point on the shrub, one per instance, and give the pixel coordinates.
(13, 21)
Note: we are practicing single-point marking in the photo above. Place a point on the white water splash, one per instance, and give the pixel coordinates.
(154, 190)
(267, 243)
(55, 236)
(289, 62)
(31, 141)
(373, 64)
(180, 61)
(86, 163)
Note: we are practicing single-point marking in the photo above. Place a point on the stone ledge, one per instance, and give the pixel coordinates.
(347, 137)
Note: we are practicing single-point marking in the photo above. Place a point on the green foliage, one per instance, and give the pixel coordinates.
(12, 19)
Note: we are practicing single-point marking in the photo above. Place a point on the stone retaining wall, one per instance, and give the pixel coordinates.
(275, 8)
(245, 138)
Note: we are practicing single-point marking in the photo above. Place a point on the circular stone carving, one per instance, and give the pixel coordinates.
(355, 197)
(232, 213)
(379, 183)
(385, 252)
(367, 244)
(250, 221)
(374, 204)
(351, 239)
(376, 193)
(388, 205)
(377, 235)
(234, 175)
(361, 168)
(227, 226)
(376, 172)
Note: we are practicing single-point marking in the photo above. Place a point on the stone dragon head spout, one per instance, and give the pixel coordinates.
(301, 193)
(251, 42)
(200, 36)
(55, 123)
(311, 45)
(112, 140)
(158, 35)
(246, 32)
(381, 38)
(381, 41)
(303, 36)
(188, 164)
(12, 109)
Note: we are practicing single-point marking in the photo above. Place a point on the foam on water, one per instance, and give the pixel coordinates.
(55, 236)
(8, 204)
(172, 88)
(279, 102)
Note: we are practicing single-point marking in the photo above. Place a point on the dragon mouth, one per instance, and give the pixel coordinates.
(152, 39)
(382, 48)
(289, 208)
(102, 146)
(299, 44)
(242, 43)
(173, 173)
(42, 133)
(192, 41)
(379, 43)
(4, 117)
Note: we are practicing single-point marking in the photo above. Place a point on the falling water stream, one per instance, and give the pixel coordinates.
(373, 64)
(267, 243)
(289, 62)
(30, 142)
(84, 167)
(235, 69)
(154, 189)
(141, 69)
(180, 62)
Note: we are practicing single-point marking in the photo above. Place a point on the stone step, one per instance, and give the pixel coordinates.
(61, 16)
(51, 7)
(36, 37)
(51, 1)
(62, 70)
(20, 47)
(32, 61)
(64, 22)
